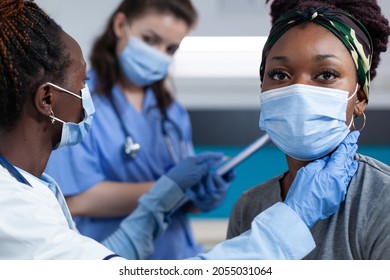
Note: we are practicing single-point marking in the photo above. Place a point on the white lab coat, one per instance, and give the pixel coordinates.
(33, 224)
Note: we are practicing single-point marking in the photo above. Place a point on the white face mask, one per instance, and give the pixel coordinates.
(74, 133)
(305, 122)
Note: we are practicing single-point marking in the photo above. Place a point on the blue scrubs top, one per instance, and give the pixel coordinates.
(101, 157)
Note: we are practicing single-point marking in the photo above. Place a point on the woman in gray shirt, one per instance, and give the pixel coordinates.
(316, 70)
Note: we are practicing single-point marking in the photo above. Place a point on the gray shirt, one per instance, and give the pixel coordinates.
(360, 229)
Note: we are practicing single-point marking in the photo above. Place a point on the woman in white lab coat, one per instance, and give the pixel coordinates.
(43, 100)
(45, 105)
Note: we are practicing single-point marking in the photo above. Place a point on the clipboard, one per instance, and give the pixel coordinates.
(244, 154)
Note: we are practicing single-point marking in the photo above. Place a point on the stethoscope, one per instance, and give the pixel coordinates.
(168, 140)
(131, 147)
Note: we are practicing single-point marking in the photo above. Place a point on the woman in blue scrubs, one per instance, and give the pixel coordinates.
(139, 130)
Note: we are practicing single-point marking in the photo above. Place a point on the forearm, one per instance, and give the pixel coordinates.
(276, 233)
(133, 239)
(135, 236)
(108, 199)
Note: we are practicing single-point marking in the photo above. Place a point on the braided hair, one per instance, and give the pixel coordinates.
(31, 53)
(367, 12)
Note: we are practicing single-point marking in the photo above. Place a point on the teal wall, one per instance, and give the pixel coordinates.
(263, 165)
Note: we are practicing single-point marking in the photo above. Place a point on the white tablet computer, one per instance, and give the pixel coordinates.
(234, 161)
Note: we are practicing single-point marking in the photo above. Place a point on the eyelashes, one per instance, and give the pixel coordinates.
(324, 74)
(328, 74)
(278, 74)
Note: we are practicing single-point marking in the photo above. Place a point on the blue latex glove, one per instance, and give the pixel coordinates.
(210, 192)
(320, 187)
(190, 171)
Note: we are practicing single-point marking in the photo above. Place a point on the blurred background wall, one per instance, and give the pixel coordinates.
(218, 83)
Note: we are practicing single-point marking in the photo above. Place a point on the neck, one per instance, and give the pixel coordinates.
(26, 147)
(293, 167)
(133, 93)
(128, 86)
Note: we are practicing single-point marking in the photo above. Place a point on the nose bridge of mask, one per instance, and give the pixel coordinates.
(307, 98)
(329, 93)
(152, 52)
(88, 105)
(148, 49)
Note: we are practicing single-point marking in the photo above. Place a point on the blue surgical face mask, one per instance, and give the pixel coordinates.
(74, 133)
(305, 122)
(142, 64)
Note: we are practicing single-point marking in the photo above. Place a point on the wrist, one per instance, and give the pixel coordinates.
(165, 195)
(300, 213)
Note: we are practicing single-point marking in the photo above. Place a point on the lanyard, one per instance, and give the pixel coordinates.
(14, 172)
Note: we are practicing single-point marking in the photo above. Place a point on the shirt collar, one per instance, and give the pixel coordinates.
(122, 103)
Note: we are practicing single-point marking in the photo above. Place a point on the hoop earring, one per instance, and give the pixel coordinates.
(364, 123)
(52, 121)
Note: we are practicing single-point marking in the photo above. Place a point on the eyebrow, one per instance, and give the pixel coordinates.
(280, 58)
(160, 38)
(153, 33)
(322, 57)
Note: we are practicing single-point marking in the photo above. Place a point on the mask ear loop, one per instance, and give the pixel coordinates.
(349, 98)
(53, 118)
(353, 118)
(52, 121)
(127, 30)
(354, 93)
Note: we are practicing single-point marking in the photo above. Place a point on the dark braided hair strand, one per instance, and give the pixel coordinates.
(31, 53)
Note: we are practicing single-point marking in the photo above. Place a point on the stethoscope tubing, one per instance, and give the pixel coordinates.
(183, 149)
(176, 156)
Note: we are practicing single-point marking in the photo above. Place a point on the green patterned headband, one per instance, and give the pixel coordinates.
(350, 31)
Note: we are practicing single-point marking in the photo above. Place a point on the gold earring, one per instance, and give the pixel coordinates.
(364, 123)
(52, 121)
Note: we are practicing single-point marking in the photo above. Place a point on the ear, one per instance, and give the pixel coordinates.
(361, 103)
(43, 99)
(119, 25)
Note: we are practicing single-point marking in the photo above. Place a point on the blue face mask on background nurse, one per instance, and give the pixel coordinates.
(141, 63)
